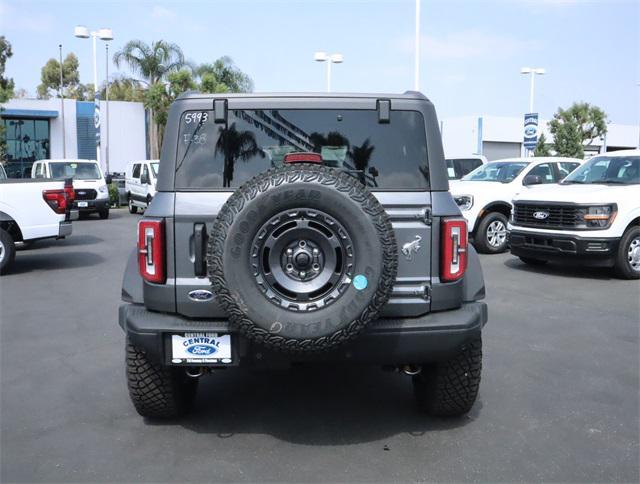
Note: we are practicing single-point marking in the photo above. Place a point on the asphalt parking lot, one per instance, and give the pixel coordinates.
(559, 400)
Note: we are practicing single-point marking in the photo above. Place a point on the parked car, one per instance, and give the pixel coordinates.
(32, 210)
(140, 183)
(91, 191)
(593, 217)
(459, 167)
(248, 260)
(485, 194)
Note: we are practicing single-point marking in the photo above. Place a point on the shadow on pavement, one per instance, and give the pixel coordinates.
(67, 242)
(27, 261)
(312, 406)
(562, 270)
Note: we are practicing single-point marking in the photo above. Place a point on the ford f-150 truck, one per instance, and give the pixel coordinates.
(31, 210)
(592, 217)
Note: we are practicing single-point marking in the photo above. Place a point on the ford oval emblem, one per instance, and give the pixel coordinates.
(202, 349)
(200, 295)
(540, 215)
(530, 131)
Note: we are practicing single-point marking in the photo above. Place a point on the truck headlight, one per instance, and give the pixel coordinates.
(597, 216)
(465, 202)
(103, 189)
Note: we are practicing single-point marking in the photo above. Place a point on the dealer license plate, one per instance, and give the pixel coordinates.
(191, 348)
(83, 204)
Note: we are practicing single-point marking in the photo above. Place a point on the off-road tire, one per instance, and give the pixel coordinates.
(8, 251)
(622, 267)
(104, 214)
(450, 388)
(533, 261)
(132, 207)
(157, 391)
(480, 239)
(249, 309)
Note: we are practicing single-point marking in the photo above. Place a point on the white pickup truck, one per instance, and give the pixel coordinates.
(32, 210)
(592, 217)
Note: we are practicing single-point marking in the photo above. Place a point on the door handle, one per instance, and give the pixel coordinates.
(199, 248)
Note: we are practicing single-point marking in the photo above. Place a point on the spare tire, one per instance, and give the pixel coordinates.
(302, 258)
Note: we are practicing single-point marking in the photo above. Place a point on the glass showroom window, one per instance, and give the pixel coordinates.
(27, 141)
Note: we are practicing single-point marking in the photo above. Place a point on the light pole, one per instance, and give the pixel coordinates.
(533, 72)
(106, 144)
(83, 32)
(64, 135)
(329, 59)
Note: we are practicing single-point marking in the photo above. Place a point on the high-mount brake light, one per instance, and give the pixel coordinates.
(454, 248)
(151, 250)
(303, 158)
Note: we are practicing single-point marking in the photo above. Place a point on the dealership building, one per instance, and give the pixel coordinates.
(499, 137)
(35, 130)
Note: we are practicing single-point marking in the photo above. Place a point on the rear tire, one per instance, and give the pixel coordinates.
(104, 214)
(132, 207)
(491, 235)
(7, 251)
(533, 262)
(157, 391)
(627, 264)
(450, 388)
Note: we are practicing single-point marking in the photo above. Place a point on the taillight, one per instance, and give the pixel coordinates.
(151, 250)
(70, 192)
(454, 246)
(56, 199)
(302, 157)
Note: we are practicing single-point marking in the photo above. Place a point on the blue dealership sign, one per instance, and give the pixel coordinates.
(96, 117)
(530, 130)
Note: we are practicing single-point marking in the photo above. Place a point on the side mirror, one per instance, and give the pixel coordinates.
(108, 179)
(532, 180)
(144, 179)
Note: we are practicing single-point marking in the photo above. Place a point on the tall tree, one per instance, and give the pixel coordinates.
(235, 145)
(223, 76)
(576, 127)
(50, 77)
(6, 88)
(360, 155)
(152, 64)
(123, 89)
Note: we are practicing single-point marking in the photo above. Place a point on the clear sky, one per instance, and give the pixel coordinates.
(472, 50)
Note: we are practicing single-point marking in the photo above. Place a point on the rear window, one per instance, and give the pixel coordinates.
(388, 156)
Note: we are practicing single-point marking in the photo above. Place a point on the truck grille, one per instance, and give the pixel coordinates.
(557, 216)
(85, 194)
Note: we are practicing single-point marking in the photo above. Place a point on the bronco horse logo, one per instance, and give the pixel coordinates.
(411, 248)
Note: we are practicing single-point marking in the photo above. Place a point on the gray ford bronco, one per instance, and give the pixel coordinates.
(291, 228)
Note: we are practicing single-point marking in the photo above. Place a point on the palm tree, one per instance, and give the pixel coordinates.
(235, 145)
(152, 63)
(223, 76)
(360, 155)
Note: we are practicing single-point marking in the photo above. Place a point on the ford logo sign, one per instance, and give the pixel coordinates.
(530, 131)
(540, 215)
(202, 349)
(201, 295)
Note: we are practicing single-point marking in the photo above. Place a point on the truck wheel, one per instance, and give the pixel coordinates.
(627, 264)
(157, 391)
(104, 214)
(491, 235)
(132, 207)
(533, 262)
(7, 251)
(302, 258)
(450, 388)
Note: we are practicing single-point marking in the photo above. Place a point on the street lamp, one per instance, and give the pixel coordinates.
(533, 72)
(83, 32)
(329, 59)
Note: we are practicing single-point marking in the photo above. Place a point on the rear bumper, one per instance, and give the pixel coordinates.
(596, 251)
(65, 229)
(434, 337)
(92, 205)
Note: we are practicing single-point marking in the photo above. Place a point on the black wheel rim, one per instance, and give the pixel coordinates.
(302, 259)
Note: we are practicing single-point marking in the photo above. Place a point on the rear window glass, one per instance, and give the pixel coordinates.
(390, 156)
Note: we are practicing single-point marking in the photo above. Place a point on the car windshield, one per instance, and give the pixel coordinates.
(154, 168)
(497, 171)
(621, 170)
(75, 170)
